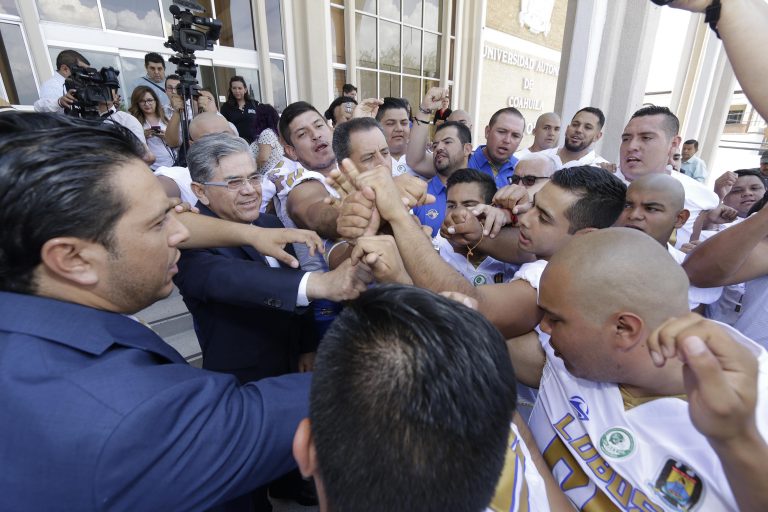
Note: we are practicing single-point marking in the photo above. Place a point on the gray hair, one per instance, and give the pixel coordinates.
(207, 151)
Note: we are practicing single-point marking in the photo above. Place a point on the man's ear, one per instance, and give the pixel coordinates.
(628, 329)
(291, 152)
(304, 449)
(487, 131)
(199, 191)
(73, 259)
(467, 149)
(682, 218)
(599, 136)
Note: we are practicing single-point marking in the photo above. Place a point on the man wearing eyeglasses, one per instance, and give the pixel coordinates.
(533, 172)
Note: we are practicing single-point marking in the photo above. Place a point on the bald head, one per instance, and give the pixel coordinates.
(607, 271)
(532, 172)
(663, 186)
(461, 116)
(655, 206)
(207, 123)
(546, 132)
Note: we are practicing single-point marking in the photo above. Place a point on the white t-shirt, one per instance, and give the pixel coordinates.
(50, 92)
(128, 121)
(488, 271)
(696, 295)
(399, 166)
(590, 158)
(180, 175)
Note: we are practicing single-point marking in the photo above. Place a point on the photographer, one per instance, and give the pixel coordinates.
(54, 97)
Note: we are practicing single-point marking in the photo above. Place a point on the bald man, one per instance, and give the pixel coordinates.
(545, 135)
(655, 206)
(533, 173)
(616, 420)
(461, 116)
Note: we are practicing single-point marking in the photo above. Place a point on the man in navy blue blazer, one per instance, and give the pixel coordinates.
(98, 412)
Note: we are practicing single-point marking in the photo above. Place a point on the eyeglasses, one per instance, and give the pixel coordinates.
(528, 181)
(236, 183)
(147, 102)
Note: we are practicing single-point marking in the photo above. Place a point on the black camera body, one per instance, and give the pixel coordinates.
(186, 39)
(91, 88)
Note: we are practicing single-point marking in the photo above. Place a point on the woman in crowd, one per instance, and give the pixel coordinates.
(266, 147)
(146, 107)
(239, 108)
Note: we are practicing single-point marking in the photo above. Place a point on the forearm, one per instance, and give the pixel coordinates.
(416, 156)
(504, 247)
(320, 218)
(745, 463)
(205, 231)
(172, 131)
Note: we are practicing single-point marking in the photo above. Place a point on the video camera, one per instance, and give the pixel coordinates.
(91, 88)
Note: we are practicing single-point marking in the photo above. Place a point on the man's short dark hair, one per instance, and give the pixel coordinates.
(56, 179)
(347, 88)
(154, 57)
(601, 196)
(335, 103)
(410, 405)
(487, 185)
(749, 172)
(693, 142)
(465, 136)
(671, 122)
(506, 110)
(343, 133)
(69, 58)
(290, 113)
(391, 104)
(174, 76)
(596, 112)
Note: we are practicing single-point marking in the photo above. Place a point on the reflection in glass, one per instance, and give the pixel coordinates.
(389, 85)
(389, 53)
(366, 41)
(275, 24)
(412, 91)
(15, 67)
(450, 60)
(412, 12)
(73, 12)
(237, 23)
(9, 7)
(390, 9)
(366, 5)
(136, 16)
(433, 13)
(132, 69)
(453, 17)
(278, 84)
(339, 79)
(431, 55)
(411, 51)
(338, 36)
(366, 84)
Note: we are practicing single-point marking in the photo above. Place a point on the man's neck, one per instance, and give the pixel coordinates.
(568, 156)
(396, 156)
(491, 160)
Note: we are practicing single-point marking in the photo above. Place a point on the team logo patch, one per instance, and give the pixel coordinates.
(400, 168)
(617, 443)
(679, 485)
(479, 279)
(498, 278)
(432, 213)
(580, 406)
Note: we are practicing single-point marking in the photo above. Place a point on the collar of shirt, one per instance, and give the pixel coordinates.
(81, 327)
(477, 160)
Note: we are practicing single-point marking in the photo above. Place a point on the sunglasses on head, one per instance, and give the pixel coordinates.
(527, 181)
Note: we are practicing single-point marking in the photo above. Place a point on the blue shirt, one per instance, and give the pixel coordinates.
(99, 413)
(432, 215)
(502, 176)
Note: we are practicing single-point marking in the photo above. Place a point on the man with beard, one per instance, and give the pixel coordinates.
(545, 135)
(581, 134)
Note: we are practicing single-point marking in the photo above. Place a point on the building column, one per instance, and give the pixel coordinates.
(259, 10)
(30, 24)
(350, 42)
(605, 60)
(470, 61)
(312, 51)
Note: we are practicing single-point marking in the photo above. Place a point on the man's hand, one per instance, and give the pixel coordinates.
(68, 99)
(433, 100)
(271, 241)
(307, 362)
(180, 206)
(177, 102)
(720, 375)
(414, 190)
(345, 282)
(341, 182)
(493, 218)
(608, 166)
(514, 198)
(389, 200)
(725, 183)
(381, 255)
(358, 216)
(462, 228)
(722, 214)
(367, 108)
(689, 246)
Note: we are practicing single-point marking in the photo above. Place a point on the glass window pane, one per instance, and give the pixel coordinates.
(15, 66)
(99, 60)
(450, 59)
(412, 12)
(206, 13)
(278, 84)
(223, 74)
(411, 51)
(366, 5)
(131, 69)
(339, 79)
(366, 40)
(275, 24)
(390, 9)
(338, 36)
(389, 43)
(136, 16)
(389, 85)
(73, 12)
(453, 18)
(433, 13)
(9, 7)
(431, 55)
(366, 84)
(412, 91)
(236, 23)
(427, 85)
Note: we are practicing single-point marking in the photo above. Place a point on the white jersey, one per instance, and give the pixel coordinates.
(696, 295)
(399, 166)
(520, 486)
(753, 320)
(649, 457)
(285, 177)
(488, 271)
(590, 158)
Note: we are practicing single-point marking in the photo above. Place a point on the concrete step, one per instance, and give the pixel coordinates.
(171, 320)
